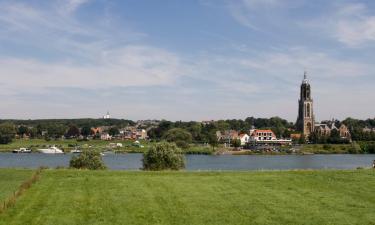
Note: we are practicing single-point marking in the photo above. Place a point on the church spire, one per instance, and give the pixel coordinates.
(305, 80)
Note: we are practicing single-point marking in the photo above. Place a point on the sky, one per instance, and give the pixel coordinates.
(185, 60)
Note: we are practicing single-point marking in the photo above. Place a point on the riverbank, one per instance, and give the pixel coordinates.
(278, 197)
(116, 146)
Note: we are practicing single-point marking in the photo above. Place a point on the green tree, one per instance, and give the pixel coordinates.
(212, 140)
(56, 130)
(90, 160)
(72, 132)
(22, 130)
(113, 131)
(7, 133)
(180, 136)
(163, 156)
(86, 131)
(236, 143)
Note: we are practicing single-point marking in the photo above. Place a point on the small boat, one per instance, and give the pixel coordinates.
(76, 151)
(22, 150)
(51, 150)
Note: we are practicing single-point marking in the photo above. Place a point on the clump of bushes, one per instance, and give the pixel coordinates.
(163, 156)
(91, 160)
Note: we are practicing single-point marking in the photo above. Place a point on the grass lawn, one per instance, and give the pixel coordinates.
(326, 149)
(117, 197)
(10, 180)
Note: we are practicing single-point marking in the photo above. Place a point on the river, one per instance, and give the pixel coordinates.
(201, 162)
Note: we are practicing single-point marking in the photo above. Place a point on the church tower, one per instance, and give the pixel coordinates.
(305, 121)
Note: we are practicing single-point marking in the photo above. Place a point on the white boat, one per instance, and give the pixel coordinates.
(51, 150)
(22, 150)
(76, 151)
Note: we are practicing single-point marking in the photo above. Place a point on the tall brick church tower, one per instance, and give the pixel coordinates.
(305, 121)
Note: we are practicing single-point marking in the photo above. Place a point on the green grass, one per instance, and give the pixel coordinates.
(115, 197)
(326, 149)
(10, 180)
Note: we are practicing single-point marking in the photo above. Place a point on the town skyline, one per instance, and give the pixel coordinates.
(207, 60)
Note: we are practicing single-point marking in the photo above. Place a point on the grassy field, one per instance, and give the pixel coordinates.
(327, 149)
(10, 180)
(281, 197)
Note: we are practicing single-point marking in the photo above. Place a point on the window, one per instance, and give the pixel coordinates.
(308, 110)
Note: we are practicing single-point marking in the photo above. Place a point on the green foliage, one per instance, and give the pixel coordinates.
(72, 132)
(7, 133)
(212, 140)
(56, 130)
(22, 130)
(90, 160)
(180, 136)
(86, 131)
(236, 143)
(113, 131)
(163, 156)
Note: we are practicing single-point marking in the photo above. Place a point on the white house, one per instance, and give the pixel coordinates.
(105, 136)
(244, 139)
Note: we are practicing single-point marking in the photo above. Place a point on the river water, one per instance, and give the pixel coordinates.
(201, 162)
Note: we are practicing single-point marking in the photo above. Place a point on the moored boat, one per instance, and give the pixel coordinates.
(51, 150)
(22, 150)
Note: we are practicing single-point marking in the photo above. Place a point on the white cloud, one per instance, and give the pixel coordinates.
(350, 24)
(129, 66)
(72, 5)
(354, 27)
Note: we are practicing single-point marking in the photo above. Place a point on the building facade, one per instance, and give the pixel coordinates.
(305, 120)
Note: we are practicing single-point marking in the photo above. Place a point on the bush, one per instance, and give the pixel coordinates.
(7, 133)
(90, 160)
(163, 156)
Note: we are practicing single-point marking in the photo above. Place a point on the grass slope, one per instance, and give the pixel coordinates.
(117, 197)
(10, 180)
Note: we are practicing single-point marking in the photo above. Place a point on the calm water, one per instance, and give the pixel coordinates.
(202, 162)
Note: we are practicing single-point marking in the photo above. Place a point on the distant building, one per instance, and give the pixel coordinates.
(262, 135)
(244, 138)
(325, 129)
(105, 136)
(305, 120)
(266, 137)
(227, 136)
(107, 116)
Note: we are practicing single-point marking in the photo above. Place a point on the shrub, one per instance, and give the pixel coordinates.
(163, 156)
(7, 133)
(90, 160)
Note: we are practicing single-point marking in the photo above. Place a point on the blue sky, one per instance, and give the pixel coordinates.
(185, 60)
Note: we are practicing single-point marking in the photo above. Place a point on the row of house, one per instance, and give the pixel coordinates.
(128, 133)
(254, 137)
(368, 129)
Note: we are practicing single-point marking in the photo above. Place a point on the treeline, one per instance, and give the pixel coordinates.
(202, 132)
(56, 128)
(356, 129)
(67, 122)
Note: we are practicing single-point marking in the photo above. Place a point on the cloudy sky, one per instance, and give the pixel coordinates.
(185, 60)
